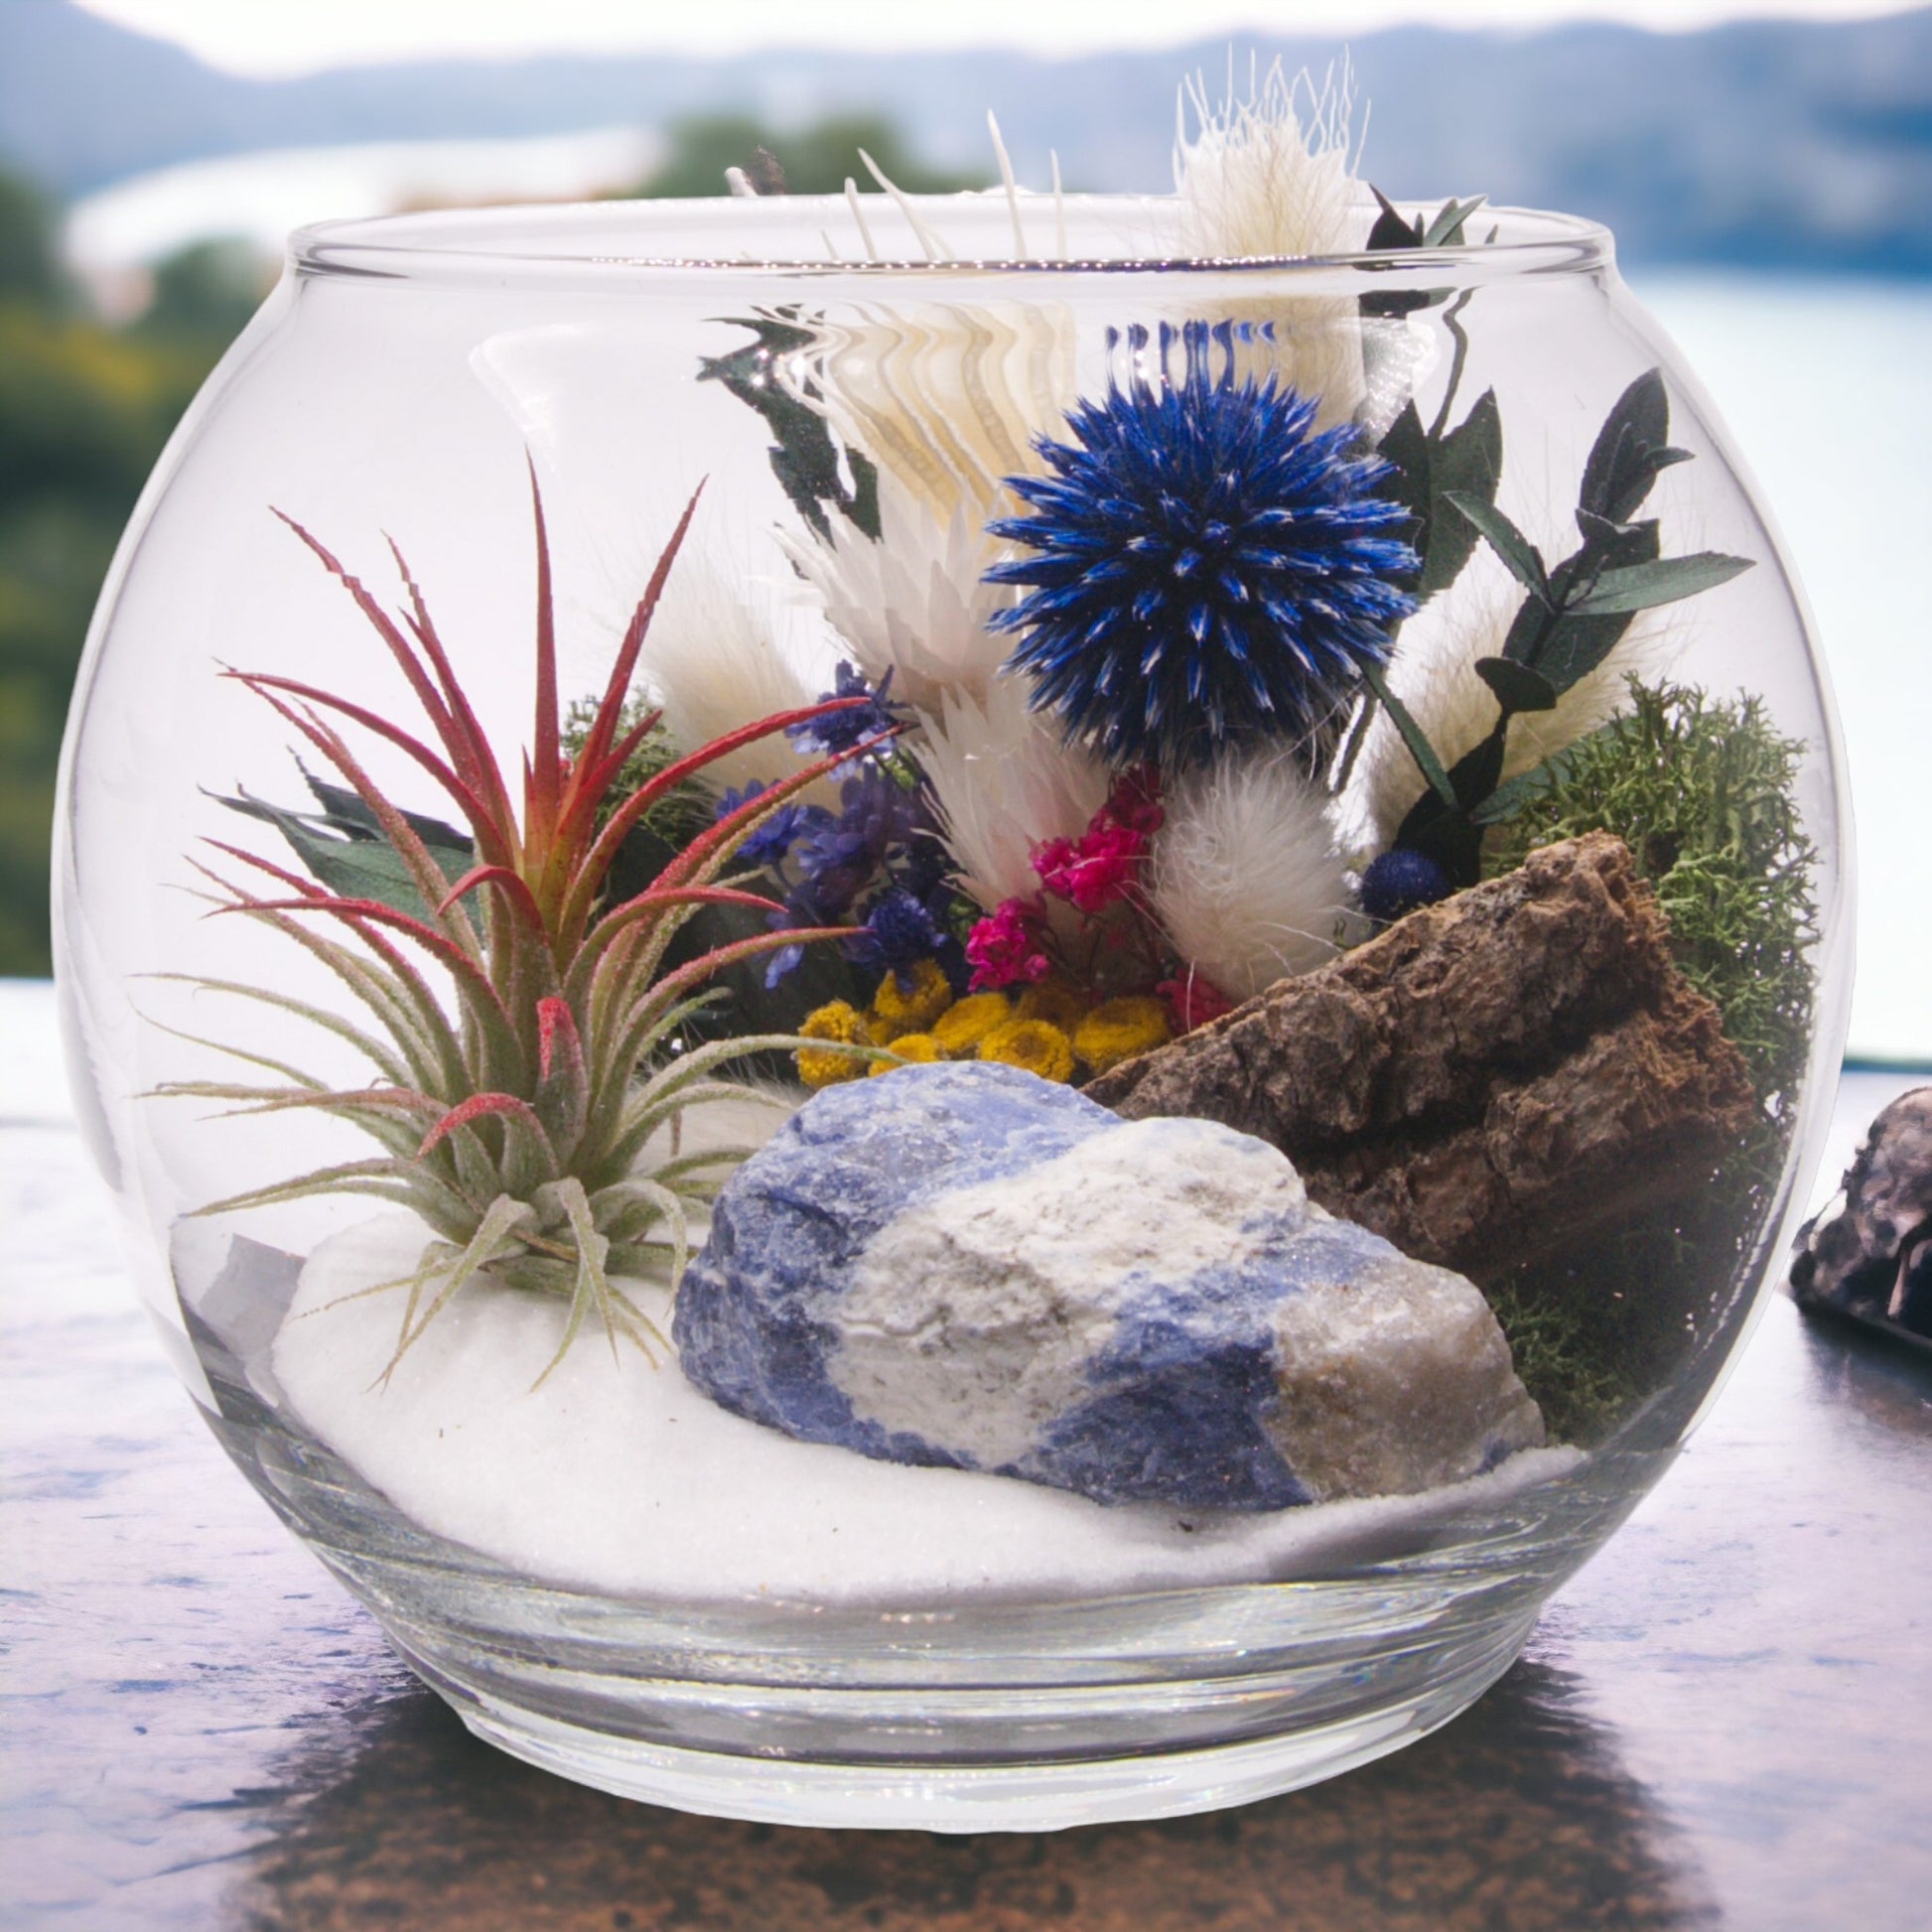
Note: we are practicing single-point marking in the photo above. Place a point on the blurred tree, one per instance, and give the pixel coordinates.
(83, 412)
(30, 266)
(816, 160)
(207, 292)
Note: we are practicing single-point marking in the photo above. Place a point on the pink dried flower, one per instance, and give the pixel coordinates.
(1101, 867)
(1007, 946)
(1193, 1000)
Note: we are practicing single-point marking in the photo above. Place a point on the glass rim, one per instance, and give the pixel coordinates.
(568, 241)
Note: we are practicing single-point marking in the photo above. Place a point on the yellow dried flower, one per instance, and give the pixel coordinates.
(921, 1048)
(914, 1009)
(1057, 1000)
(1121, 1029)
(961, 1028)
(1036, 1045)
(840, 1022)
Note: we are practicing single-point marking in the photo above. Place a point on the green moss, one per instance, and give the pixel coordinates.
(1701, 790)
(1578, 1375)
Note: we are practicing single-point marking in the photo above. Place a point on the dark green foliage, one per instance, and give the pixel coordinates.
(814, 160)
(1434, 463)
(1574, 614)
(1573, 1360)
(85, 410)
(29, 265)
(804, 459)
(1393, 230)
(206, 293)
(1701, 790)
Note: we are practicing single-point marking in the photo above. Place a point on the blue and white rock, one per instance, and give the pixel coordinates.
(967, 1266)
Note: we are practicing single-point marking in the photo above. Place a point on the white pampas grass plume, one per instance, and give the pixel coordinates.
(1246, 878)
(1273, 174)
(1004, 781)
(1433, 674)
(715, 660)
(916, 602)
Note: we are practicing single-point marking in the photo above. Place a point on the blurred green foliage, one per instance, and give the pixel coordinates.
(85, 410)
(815, 160)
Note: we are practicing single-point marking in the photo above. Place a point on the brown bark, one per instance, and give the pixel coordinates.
(1493, 1080)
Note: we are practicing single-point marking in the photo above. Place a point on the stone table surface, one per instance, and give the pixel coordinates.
(1717, 1722)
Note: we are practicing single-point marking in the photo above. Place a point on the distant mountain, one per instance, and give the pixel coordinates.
(1787, 143)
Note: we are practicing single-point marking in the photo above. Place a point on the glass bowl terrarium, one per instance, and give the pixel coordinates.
(969, 1013)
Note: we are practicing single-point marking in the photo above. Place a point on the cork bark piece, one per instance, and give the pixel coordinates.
(1495, 1080)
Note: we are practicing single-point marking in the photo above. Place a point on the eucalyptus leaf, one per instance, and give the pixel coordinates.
(1405, 446)
(1414, 736)
(1468, 461)
(1447, 228)
(1517, 687)
(1524, 560)
(1667, 580)
(1639, 421)
(344, 811)
(356, 868)
(1510, 798)
(804, 459)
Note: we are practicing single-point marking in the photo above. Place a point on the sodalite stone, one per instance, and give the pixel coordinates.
(967, 1266)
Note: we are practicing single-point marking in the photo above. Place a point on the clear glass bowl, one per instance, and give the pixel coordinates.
(398, 381)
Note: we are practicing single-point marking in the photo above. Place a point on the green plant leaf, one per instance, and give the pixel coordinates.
(1446, 230)
(1638, 423)
(1667, 580)
(1517, 687)
(804, 458)
(1512, 796)
(1519, 554)
(1413, 736)
(1405, 446)
(1468, 462)
(355, 868)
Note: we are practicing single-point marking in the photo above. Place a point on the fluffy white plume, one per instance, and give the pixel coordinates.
(1273, 174)
(915, 602)
(1433, 676)
(715, 658)
(1004, 781)
(1246, 878)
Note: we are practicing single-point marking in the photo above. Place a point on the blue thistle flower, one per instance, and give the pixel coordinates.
(1205, 567)
(897, 933)
(772, 843)
(838, 730)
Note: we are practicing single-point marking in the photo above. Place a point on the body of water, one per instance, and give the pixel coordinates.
(1827, 385)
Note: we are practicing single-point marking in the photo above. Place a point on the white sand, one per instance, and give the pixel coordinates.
(622, 1479)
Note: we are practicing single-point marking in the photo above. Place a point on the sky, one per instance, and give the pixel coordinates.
(286, 37)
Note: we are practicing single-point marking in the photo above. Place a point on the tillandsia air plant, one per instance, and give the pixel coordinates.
(534, 1130)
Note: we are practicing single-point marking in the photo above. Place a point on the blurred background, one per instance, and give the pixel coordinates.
(1767, 169)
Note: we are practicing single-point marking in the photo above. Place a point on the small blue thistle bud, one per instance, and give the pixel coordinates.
(1399, 881)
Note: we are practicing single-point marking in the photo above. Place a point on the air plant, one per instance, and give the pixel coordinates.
(534, 1129)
